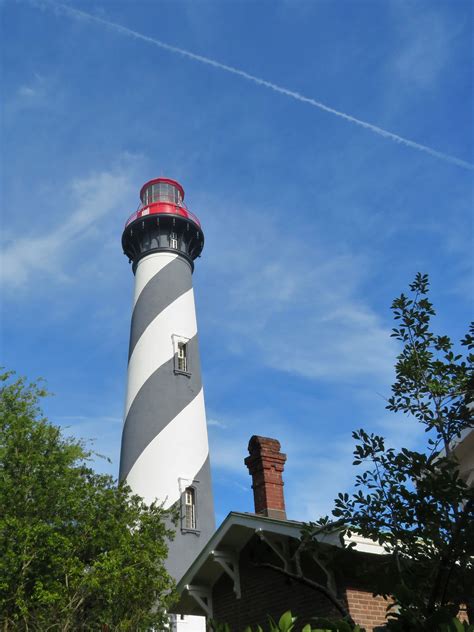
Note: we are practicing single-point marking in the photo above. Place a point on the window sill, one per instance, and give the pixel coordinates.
(178, 372)
(195, 531)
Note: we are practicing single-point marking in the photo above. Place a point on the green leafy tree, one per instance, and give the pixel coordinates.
(287, 623)
(414, 503)
(77, 552)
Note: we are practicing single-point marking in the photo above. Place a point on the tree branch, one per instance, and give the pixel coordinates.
(316, 586)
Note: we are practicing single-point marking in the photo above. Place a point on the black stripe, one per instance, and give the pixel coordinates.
(159, 400)
(186, 546)
(164, 288)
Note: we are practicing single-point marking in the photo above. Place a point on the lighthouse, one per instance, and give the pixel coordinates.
(165, 451)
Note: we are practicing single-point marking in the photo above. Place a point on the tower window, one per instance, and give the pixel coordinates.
(182, 357)
(189, 508)
(173, 240)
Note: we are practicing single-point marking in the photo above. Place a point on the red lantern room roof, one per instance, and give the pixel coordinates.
(162, 196)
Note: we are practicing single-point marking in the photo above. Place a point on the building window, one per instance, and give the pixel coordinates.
(189, 508)
(173, 240)
(182, 357)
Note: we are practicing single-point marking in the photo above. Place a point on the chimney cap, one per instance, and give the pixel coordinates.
(257, 441)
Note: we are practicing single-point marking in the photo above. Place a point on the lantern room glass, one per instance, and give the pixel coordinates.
(162, 192)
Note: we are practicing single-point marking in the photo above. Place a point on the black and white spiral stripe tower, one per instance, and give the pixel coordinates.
(165, 452)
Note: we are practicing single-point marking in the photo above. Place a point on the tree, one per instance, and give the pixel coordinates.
(77, 552)
(413, 502)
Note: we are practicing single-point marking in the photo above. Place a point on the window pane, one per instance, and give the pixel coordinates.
(190, 509)
(161, 192)
(182, 356)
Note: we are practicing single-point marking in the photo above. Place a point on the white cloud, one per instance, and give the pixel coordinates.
(216, 423)
(88, 420)
(291, 303)
(425, 43)
(51, 244)
(315, 471)
(102, 434)
(229, 449)
(400, 431)
(32, 94)
(228, 454)
(315, 474)
(27, 91)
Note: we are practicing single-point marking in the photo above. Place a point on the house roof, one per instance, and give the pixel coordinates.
(464, 450)
(221, 553)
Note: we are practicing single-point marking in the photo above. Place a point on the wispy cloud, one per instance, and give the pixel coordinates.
(216, 423)
(292, 309)
(123, 30)
(102, 434)
(86, 419)
(228, 454)
(37, 85)
(33, 93)
(315, 471)
(61, 232)
(27, 91)
(315, 474)
(229, 448)
(425, 44)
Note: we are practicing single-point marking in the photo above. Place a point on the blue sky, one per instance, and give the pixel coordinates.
(313, 223)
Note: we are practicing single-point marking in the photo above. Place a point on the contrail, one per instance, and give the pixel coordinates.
(76, 13)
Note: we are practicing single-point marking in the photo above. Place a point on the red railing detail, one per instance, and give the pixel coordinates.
(162, 208)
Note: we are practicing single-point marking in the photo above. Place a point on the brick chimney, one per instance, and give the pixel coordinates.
(266, 464)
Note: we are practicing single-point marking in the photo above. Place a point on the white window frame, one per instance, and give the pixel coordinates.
(186, 484)
(190, 509)
(180, 342)
(174, 240)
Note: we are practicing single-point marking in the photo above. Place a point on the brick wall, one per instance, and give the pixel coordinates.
(265, 592)
(366, 610)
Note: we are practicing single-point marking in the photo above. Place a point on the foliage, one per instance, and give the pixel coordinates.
(325, 625)
(77, 552)
(287, 622)
(413, 502)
